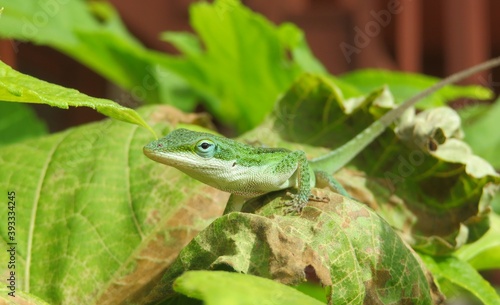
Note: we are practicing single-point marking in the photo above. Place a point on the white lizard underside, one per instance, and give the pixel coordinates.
(229, 176)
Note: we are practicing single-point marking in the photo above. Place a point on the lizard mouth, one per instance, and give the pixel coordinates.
(151, 153)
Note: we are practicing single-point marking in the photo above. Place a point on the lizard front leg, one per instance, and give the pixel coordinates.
(303, 182)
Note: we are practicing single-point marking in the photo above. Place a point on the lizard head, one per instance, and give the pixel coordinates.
(224, 163)
(183, 143)
(199, 154)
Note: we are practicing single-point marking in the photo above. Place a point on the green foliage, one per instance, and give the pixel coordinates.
(91, 206)
(237, 78)
(314, 111)
(374, 263)
(99, 223)
(89, 31)
(20, 296)
(19, 122)
(241, 78)
(484, 254)
(435, 173)
(21, 88)
(405, 85)
(480, 127)
(73, 193)
(221, 287)
(460, 273)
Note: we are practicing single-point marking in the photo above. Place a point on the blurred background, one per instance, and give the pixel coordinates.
(436, 38)
(431, 37)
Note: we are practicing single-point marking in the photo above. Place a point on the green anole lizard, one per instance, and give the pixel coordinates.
(246, 171)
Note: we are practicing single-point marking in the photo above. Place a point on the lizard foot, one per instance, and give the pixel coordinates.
(319, 199)
(297, 203)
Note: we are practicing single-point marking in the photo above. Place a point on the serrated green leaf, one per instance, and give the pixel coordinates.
(405, 85)
(462, 274)
(219, 288)
(92, 33)
(97, 221)
(238, 75)
(344, 245)
(314, 111)
(19, 122)
(21, 88)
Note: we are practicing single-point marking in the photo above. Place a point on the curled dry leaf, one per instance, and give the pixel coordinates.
(420, 177)
(340, 244)
(440, 189)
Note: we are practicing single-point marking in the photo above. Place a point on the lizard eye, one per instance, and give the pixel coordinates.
(205, 148)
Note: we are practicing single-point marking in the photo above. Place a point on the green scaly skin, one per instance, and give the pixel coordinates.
(247, 172)
(240, 169)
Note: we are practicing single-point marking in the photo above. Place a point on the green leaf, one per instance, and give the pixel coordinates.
(313, 290)
(341, 244)
(495, 203)
(19, 122)
(92, 33)
(441, 188)
(219, 287)
(485, 253)
(239, 74)
(18, 87)
(187, 43)
(462, 274)
(481, 132)
(314, 111)
(293, 39)
(90, 205)
(244, 65)
(405, 85)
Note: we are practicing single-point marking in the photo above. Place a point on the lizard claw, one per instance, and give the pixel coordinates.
(319, 199)
(296, 204)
